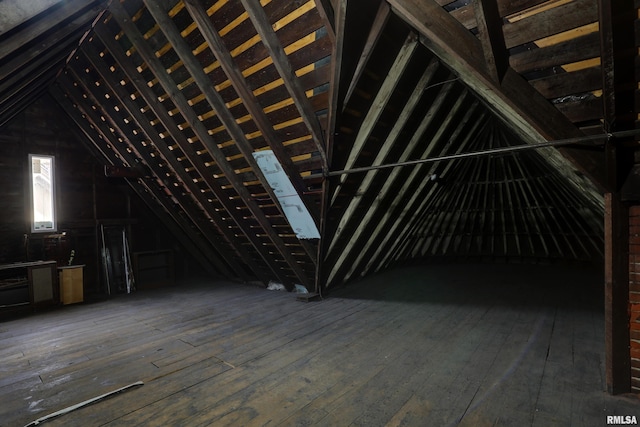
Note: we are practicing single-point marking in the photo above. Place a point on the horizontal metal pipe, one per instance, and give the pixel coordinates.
(570, 141)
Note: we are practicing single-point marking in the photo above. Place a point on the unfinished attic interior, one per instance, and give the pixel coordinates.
(454, 184)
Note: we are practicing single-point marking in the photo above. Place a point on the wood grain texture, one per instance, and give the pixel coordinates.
(434, 345)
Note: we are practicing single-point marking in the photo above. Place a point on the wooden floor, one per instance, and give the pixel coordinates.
(449, 345)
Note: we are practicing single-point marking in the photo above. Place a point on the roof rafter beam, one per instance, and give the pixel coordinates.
(240, 84)
(391, 242)
(65, 35)
(374, 35)
(379, 212)
(168, 27)
(8, 106)
(58, 15)
(23, 77)
(335, 106)
(378, 105)
(270, 40)
(492, 38)
(169, 124)
(328, 16)
(166, 155)
(147, 54)
(168, 217)
(173, 192)
(532, 117)
(16, 12)
(387, 146)
(249, 100)
(146, 93)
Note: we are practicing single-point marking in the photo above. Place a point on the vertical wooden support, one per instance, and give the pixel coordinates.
(616, 237)
(618, 86)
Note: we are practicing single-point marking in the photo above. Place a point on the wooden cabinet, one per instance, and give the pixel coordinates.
(28, 285)
(71, 284)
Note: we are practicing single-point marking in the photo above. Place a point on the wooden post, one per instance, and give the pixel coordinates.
(616, 19)
(616, 237)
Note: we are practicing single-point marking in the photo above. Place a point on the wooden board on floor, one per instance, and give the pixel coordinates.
(435, 345)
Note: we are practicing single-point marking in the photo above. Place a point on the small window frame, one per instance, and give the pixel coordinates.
(43, 226)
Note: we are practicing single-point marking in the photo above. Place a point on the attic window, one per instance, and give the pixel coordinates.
(42, 186)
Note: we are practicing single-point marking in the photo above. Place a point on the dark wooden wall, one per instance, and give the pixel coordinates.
(86, 198)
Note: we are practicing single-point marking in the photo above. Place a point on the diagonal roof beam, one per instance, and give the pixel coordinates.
(532, 117)
(54, 54)
(492, 38)
(378, 105)
(17, 12)
(168, 27)
(169, 217)
(55, 17)
(377, 28)
(124, 99)
(328, 15)
(9, 106)
(68, 34)
(270, 40)
(146, 93)
(147, 54)
(240, 84)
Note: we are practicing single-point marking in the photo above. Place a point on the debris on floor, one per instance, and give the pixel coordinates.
(274, 286)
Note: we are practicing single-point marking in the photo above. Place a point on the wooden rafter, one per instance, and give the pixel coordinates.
(145, 51)
(250, 101)
(492, 38)
(325, 9)
(178, 136)
(59, 40)
(378, 105)
(55, 17)
(269, 38)
(11, 106)
(23, 77)
(417, 179)
(247, 96)
(169, 217)
(401, 224)
(124, 100)
(375, 33)
(389, 143)
(533, 118)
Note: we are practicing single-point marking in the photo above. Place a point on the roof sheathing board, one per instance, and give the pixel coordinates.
(207, 165)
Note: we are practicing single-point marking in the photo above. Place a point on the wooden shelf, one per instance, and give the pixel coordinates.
(13, 283)
(28, 285)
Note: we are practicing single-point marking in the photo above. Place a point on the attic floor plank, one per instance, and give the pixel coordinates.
(435, 345)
